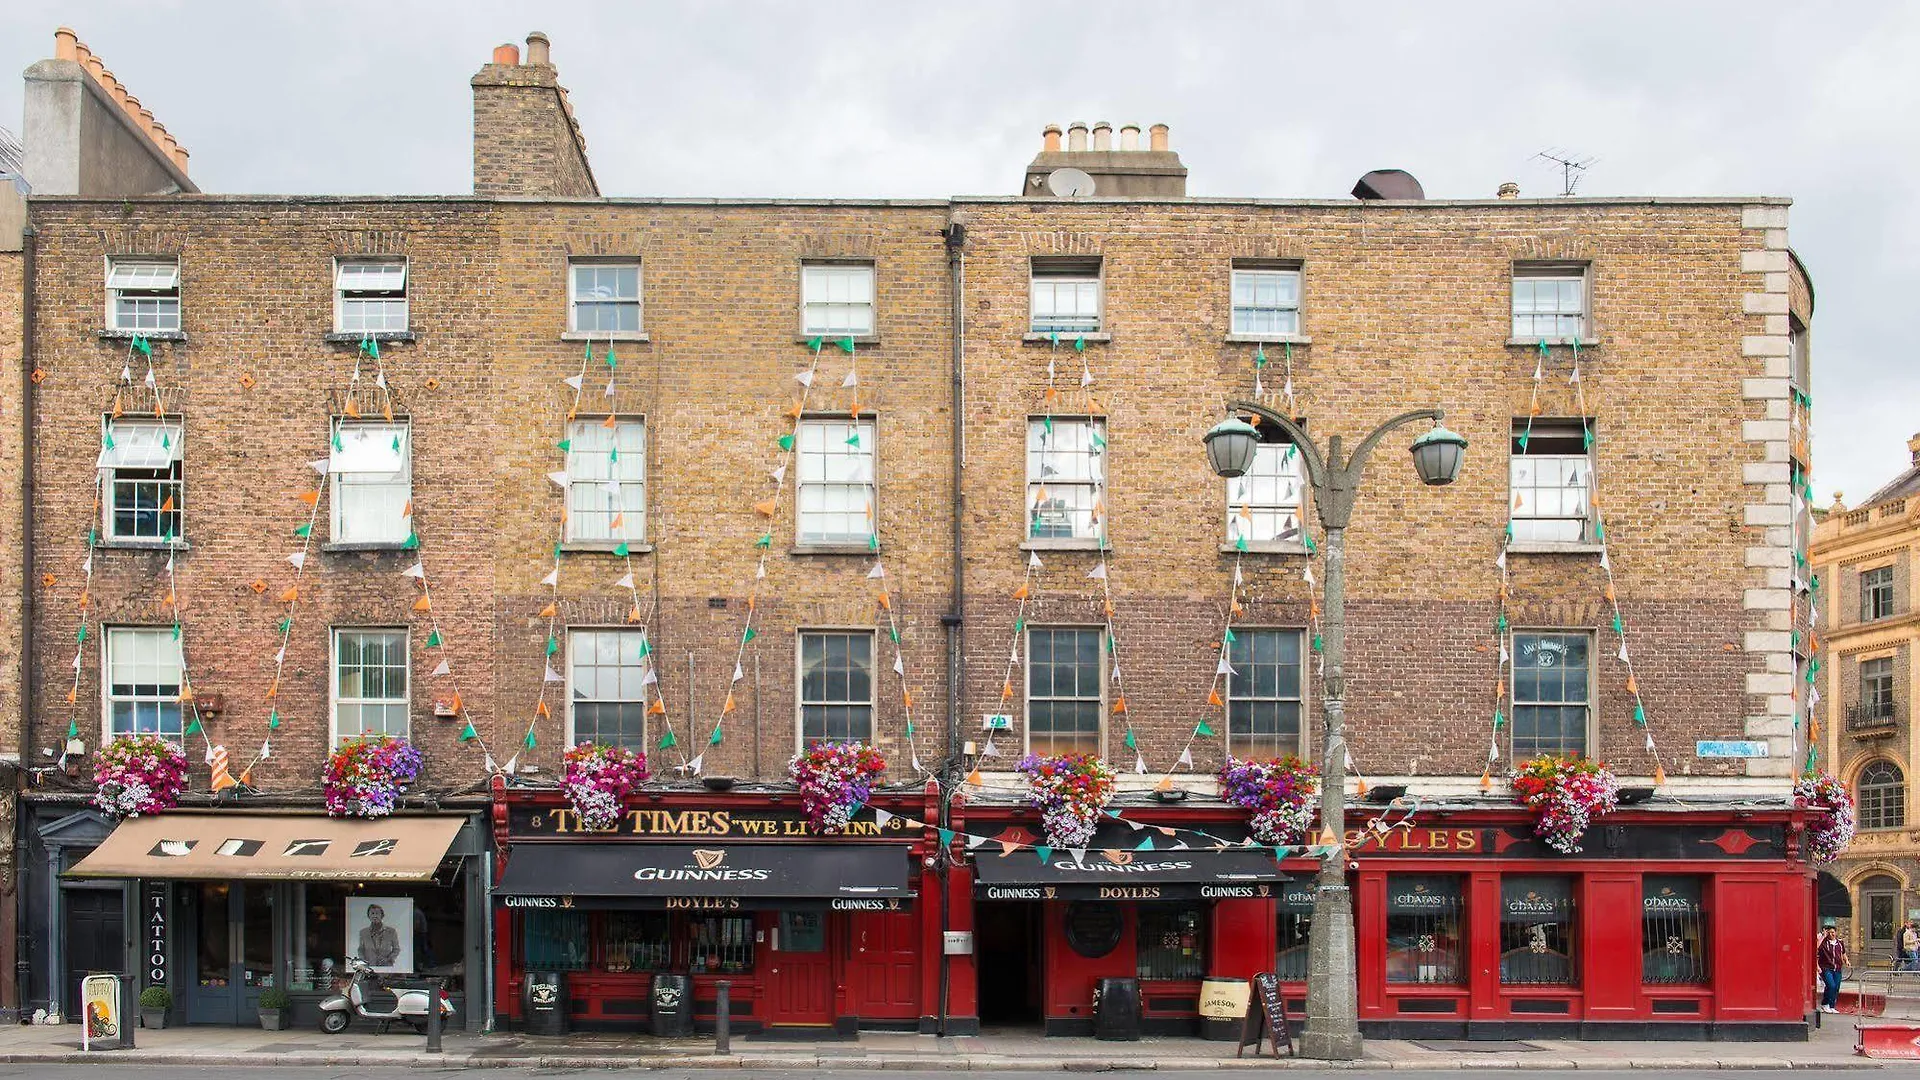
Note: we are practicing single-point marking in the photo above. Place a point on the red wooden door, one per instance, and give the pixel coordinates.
(884, 968)
(800, 971)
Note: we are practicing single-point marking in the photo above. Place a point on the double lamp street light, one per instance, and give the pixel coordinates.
(1333, 1013)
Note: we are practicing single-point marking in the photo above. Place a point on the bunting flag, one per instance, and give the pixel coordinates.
(1806, 693)
(909, 729)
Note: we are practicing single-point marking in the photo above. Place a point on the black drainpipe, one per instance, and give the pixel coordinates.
(956, 238)
(29, 689)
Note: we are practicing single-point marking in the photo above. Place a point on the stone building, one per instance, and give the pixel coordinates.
(1871, 642)
(717, 479)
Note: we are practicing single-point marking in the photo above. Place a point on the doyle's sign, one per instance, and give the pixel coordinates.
(690, 824)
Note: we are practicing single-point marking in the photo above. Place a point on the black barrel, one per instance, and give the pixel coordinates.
(672, 1006)
(1116, 1010)
(545, 1003)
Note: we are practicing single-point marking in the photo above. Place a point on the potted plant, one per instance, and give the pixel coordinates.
(598, 780)
(1565, 795)
(835, 779)
(366, 776)
(1829, 834)
(1070, 791)
(1278, 793)
(154, 1003)
(138, 774)
(273, 1008)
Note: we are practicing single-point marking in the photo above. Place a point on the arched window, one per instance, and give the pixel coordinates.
(1882, 795)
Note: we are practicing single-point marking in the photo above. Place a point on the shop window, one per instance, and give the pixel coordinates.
(607, 480)
(836, 482)
(1264, 505)
(372, 469)
(1550, 694)
(836, 299)
(144, 673)
(836, 687)
(1263, 693)
(1550, 481)
(1536, 931)
(603, 297)
(715, 944)
(1295, 915)
(1171, 941)
(1425, 942)
(142, 461)
(329, 924)
(634, 941)
(606, 679)
(1066, 467)
(1063, 691)
(1673, 930)
(555, 940)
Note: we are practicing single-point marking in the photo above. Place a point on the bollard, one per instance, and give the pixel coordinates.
(433, 1016)
(722, 1017)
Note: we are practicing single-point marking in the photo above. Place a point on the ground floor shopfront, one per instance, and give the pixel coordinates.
(219, 906)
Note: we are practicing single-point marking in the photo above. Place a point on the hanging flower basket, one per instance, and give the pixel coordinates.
(366, 776)
(1070, 791)
(1280, 794)
(598, 780)
(835, 780)
(1827, 834)
(138, 774)
(1565, 795)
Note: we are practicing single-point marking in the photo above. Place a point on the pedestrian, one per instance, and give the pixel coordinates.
(1907, 952)
(1831, 953)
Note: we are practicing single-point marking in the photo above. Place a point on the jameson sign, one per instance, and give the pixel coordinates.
(694, 824)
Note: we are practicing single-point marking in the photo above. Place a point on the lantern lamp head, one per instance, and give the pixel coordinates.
(1230, 447)
(1437, 455)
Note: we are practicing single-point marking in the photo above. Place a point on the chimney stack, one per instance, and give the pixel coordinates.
(526, 140)
(1509, 190)
(1913, 447)
(71, 103)
(1126, 170)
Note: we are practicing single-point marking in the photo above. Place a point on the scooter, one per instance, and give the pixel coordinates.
(409, 1004)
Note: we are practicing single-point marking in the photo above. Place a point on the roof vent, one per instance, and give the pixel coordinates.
(1388, 184)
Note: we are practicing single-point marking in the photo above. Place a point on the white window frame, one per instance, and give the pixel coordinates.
(629, 639)
(1538, 482)
(598, 488)
(1246, 284)
(1244, 633)
(1044, 453)
(335, 699)
(1274, 491)
(1530, 303)
(822, 440)
(1870, 590)
(348, 295)
(1100, 679)
(1082, 281)
(159, 638)
(149, 283)
(398, 485)
(802, 701)
(575, 300)
(143, 445)
(1589, 737)
(833, 292)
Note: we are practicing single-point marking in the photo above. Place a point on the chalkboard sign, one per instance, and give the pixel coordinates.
(1266, 1017)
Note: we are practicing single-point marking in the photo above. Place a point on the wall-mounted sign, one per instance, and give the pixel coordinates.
(155, 917)
(664, 822)
(996, 722)
(1730, 748)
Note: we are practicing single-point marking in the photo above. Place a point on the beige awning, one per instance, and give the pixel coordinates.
(272, 847)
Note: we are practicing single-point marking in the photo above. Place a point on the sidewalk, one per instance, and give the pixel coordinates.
(1829, 1048)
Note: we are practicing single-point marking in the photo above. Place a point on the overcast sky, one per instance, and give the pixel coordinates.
(818, 98)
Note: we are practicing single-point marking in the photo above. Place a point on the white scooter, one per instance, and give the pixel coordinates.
(409, 1005)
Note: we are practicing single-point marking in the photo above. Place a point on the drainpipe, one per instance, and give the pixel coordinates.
(29, 690)
(955, 235)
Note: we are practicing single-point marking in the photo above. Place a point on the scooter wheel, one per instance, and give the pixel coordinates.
(333, 1023)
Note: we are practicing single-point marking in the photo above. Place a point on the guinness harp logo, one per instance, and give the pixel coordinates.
(707, 858)
(1118, 858)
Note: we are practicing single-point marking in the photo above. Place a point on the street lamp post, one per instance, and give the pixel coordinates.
(1333, 1007)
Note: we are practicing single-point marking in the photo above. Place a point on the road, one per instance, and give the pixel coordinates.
(350, 1073)
(302, 1072)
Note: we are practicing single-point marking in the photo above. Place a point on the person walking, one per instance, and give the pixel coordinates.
(1831, 954)
(1907, 951)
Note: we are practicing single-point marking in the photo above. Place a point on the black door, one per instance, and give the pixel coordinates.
(96, 939)
(1008, 954)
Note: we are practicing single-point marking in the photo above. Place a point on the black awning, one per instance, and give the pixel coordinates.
(1110, 874)
(1832, 899)
(565, 873)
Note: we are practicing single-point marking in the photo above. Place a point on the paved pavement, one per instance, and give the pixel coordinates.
(203, 1050)
(308, 1072)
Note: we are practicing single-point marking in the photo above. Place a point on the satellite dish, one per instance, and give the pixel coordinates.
(1069, 182)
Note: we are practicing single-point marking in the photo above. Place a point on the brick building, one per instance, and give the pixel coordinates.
(714, 478)
(1866, 553)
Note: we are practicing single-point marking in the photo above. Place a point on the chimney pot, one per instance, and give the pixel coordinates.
(1050, 139)
(146, 121)
(538, 49)
(1509, 190)
(1130, 137)
(1102, 135)
(1157, 136)
(1913, 447)
(66, 44)
(180, 156)
(507, 55)
(1077, 136)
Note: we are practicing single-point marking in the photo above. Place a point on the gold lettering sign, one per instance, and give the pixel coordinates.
(694, 824)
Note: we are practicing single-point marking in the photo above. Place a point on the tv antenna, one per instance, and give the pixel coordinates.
(1572, 168)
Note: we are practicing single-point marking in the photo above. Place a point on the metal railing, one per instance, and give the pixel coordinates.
(1873, 715)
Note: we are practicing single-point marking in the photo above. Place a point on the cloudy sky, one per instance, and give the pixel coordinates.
(821, 98)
